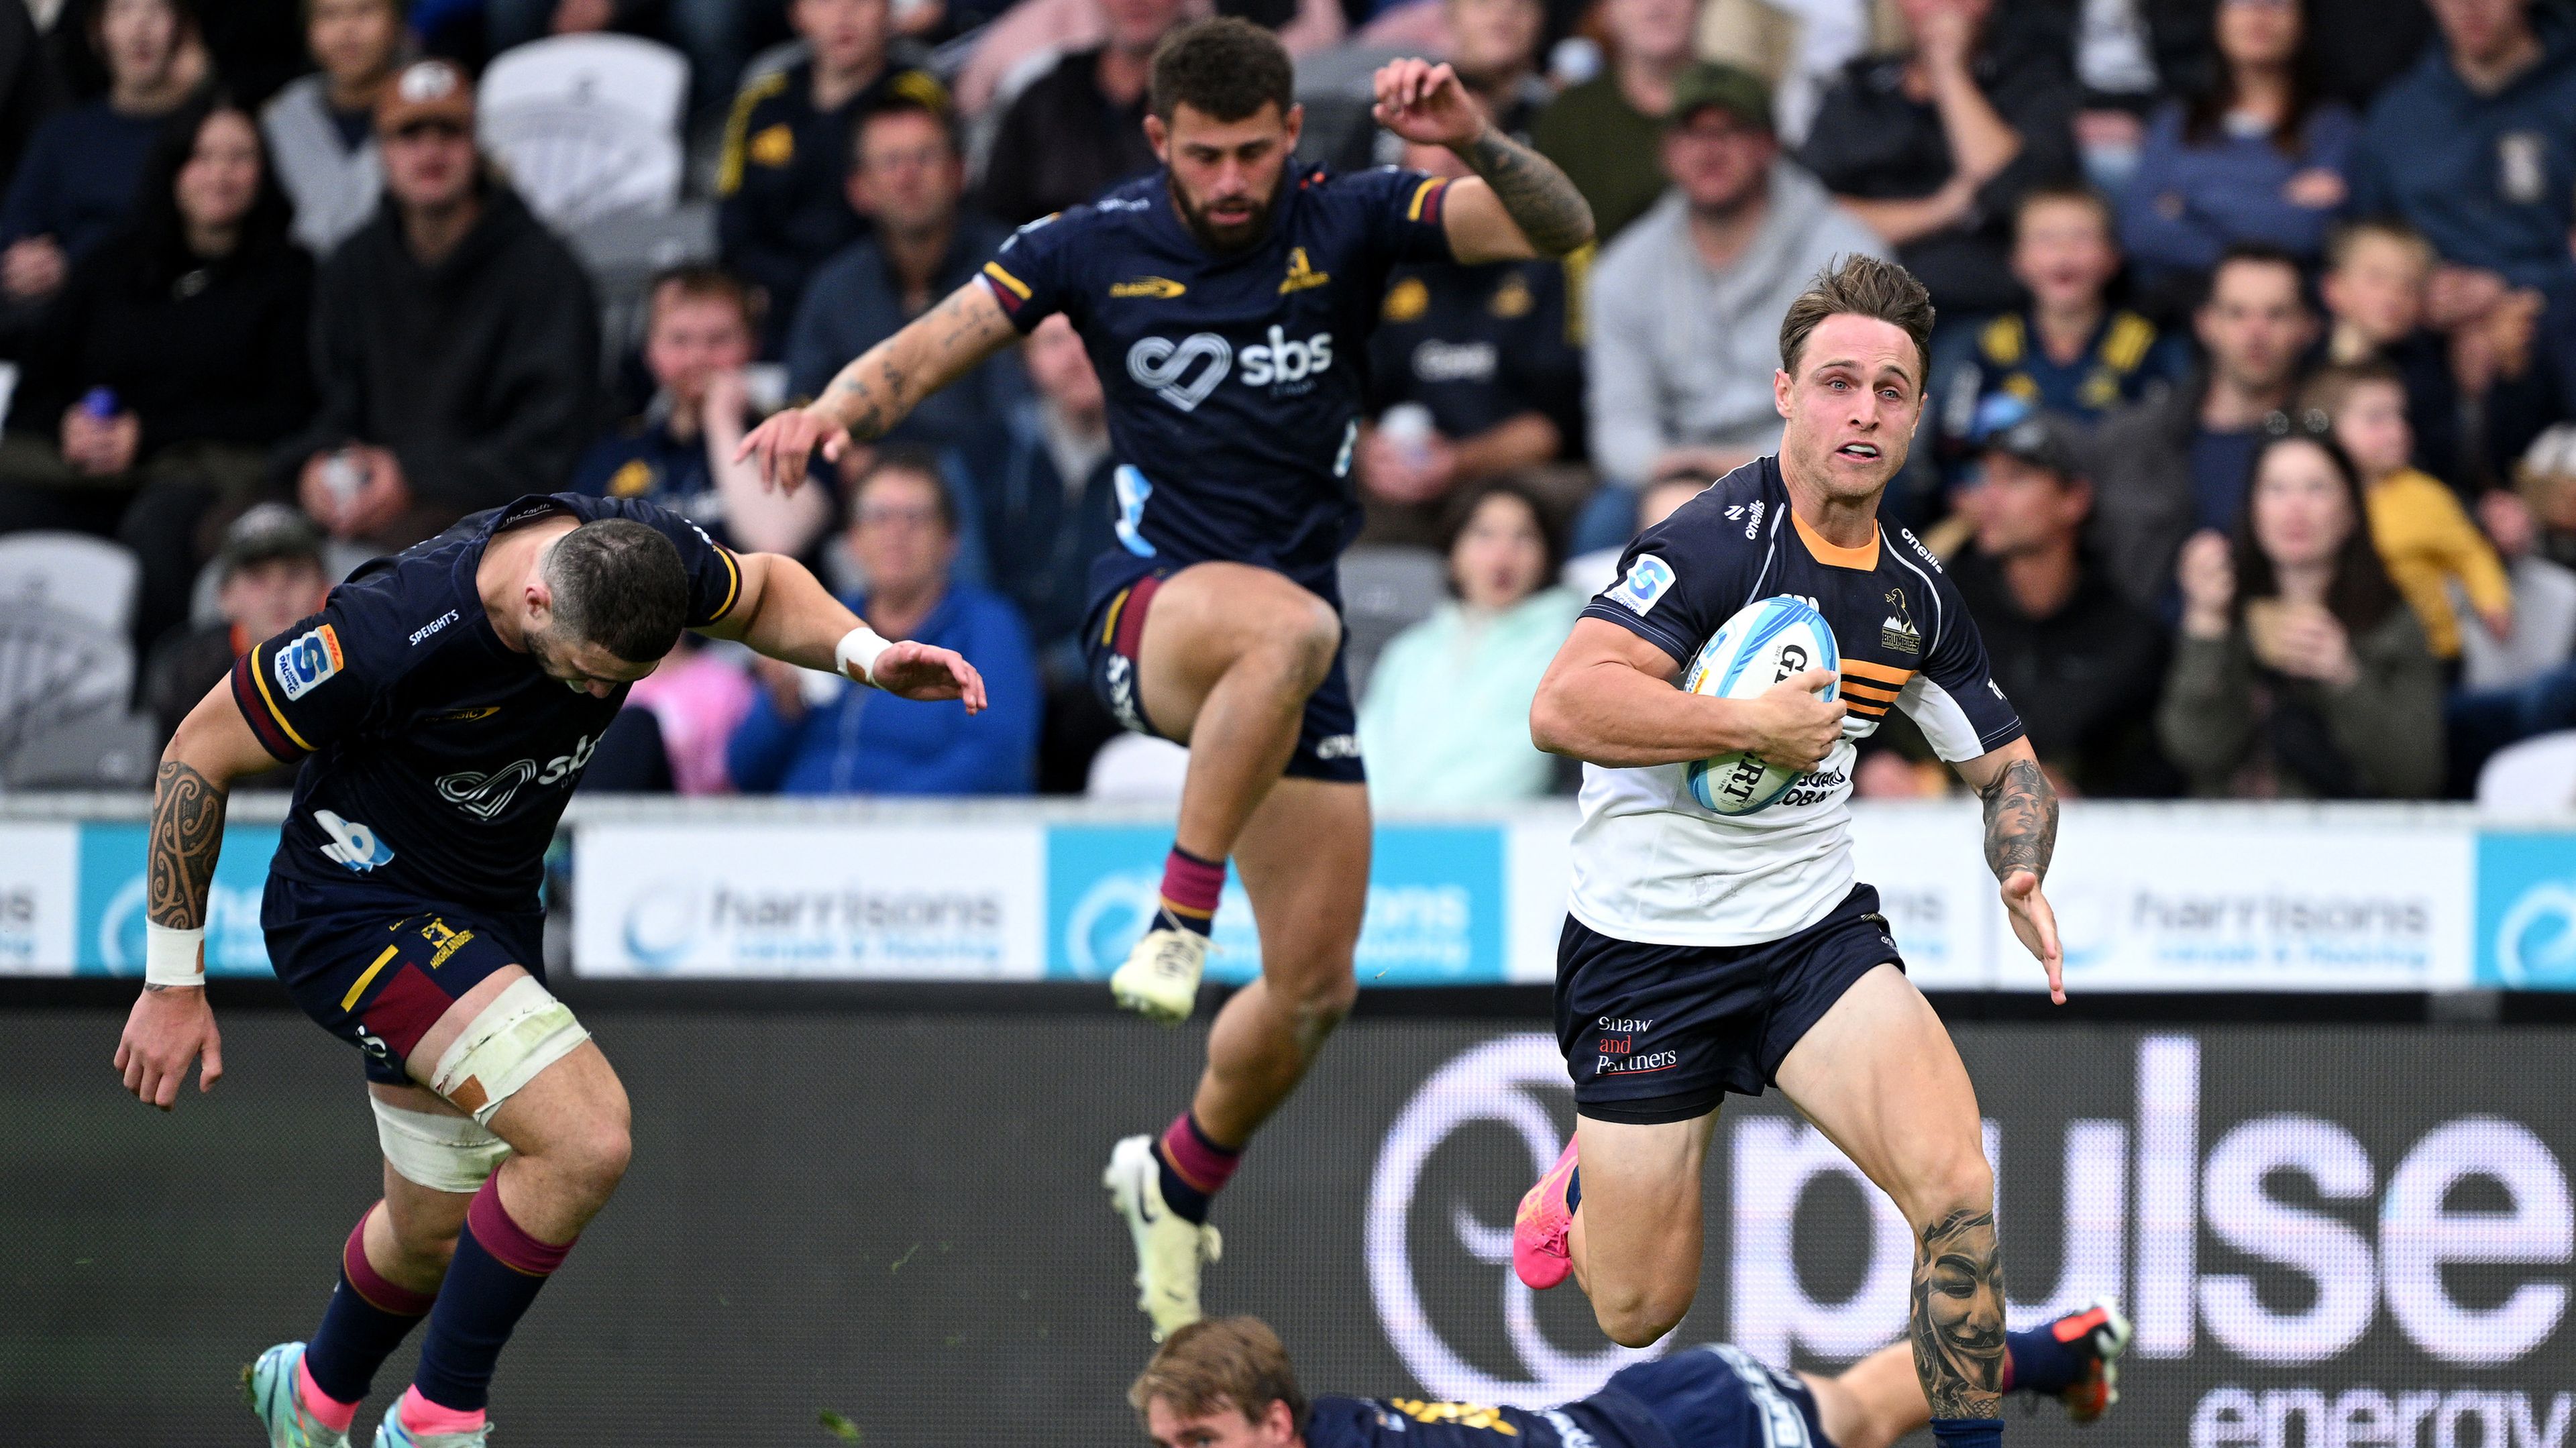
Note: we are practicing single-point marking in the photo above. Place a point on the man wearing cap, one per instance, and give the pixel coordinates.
(2083, 663)
(1686, 304)
(456, 341)
(270, 574)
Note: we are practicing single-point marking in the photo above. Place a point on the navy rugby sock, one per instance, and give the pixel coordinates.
(1968, 1432)
(492, 1283)
(2036, 1362)
(1573, 1190)
(368, 1318)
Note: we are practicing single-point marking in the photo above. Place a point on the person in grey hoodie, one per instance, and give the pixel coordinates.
(1685, 306)
(321, 128)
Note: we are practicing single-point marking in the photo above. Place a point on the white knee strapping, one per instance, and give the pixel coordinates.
(442, 1153)
(522, 1032)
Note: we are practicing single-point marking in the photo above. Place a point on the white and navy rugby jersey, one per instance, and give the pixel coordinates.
(1235, 380)
(1650, 864)
(436, 760)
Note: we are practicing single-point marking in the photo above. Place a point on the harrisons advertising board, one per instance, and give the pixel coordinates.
(1435, 911)
(956, 901)
(109, 938)
(2327, 1239)
(35, 898)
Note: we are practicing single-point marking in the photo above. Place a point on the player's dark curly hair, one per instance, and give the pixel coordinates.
(1859, 285)
(1219, 1363)
(620, 585)
(1225, 69)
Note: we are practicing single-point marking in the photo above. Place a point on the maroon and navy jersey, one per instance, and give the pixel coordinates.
(437, 761)
(1235, 381)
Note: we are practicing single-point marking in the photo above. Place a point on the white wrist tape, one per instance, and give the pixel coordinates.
(859, 646)
(172, 956)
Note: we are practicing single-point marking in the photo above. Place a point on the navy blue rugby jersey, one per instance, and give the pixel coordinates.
(437, 761)
(1653, 865)
(1608, 1420)
(1235, 382)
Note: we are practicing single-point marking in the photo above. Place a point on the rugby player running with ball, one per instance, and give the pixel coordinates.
(445, 702)
(1705, 952)
(1226, 302)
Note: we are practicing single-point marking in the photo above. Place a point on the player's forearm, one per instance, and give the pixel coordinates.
(1610, 714)
(2021, 819)
(212, 748)
(793, 617)
(1538, 196)
(936, 348)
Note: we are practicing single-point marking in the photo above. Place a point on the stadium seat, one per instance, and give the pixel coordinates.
(72, 573)
(2537, 776)
(588, 126)
(624, 250)
(104, 751)
(58, 669)
(2544, 628)
(1137, 769)
(1386, 590)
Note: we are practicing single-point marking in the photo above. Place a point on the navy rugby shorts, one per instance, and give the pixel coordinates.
(379, 972)
(1721, 1394)
(1328, 741)
(1655, 1033)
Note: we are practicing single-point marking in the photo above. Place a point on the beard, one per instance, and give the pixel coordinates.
(1240, 236)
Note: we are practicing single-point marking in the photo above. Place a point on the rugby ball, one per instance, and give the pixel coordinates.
(1766, 641)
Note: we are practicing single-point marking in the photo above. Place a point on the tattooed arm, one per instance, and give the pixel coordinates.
(2021, 837)
(172, 1025)
(887, 381)
(1518, 206)
(1957, 1321)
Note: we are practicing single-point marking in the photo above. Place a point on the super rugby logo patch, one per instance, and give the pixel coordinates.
(307, 662)
(1644, 586)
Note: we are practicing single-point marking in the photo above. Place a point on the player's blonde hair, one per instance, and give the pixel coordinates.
(1218, 1363)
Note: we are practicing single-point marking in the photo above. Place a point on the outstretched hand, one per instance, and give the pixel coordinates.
(2036, 924)
(1426, 104)
(918, 671)
(782, 444)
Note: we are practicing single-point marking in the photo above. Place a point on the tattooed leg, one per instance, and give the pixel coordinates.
(1958, 1315)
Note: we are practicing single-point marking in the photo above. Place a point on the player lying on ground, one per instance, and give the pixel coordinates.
(445, 702)
(1227, 1383)
(1226, 302)
(1707, 952)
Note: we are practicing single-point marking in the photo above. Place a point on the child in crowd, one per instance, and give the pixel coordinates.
(2423, 535)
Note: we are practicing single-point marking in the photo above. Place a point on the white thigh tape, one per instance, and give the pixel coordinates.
(522, 1032)
(442, 1153)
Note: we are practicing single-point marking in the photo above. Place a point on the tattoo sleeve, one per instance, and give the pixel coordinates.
(2021, 820)
(1958, 1316)
(1541, 201)
(187, 831)
(943, 344)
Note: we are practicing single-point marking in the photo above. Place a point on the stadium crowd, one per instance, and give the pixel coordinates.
(2250, 431)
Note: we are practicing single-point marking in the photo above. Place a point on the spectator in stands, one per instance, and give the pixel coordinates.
(701, 332)
(2081, 663)
(811, 733)
(1934, 148)
(1494, 47)
(30, 90)
(269, 575)
(77, 183)
(2299, 673)
(2069, 351)
(907, 177)
(1606, 132)
(699, 697)
(1590, 572)
(1685, 307)
(176, 355)
(782, 208)
(2424, 537)
(1446, 720)
(1079, 129)
(1471, 375)
(322, 128)
(457, 343)
(2178, 462)
(1050, 508)
(2259, 155)
(714, 34)
(2476, 148)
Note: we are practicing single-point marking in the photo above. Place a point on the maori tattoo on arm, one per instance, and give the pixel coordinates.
(1537, 195)
(1958, 1326)
(187, 830)
(2021, 820)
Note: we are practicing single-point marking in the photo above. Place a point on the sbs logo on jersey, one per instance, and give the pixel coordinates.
(486, 795)
(1185, 373)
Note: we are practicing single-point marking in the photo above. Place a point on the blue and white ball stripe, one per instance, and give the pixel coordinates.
(1766, 641)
